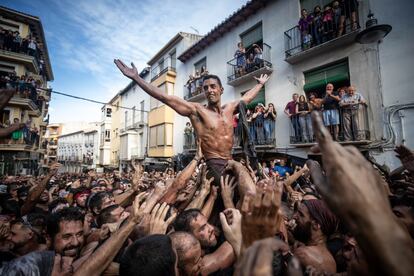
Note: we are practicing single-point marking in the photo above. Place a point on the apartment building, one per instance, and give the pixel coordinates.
(28, 62)
(380, 72)
(134, 123)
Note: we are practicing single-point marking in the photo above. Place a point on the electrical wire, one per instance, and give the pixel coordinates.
(90, 100)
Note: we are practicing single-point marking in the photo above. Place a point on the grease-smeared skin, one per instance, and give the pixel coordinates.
(213, 123)
(215, 130)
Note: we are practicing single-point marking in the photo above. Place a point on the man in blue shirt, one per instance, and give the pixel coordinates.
(282, 169)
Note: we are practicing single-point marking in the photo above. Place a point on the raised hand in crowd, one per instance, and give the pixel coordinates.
(359, 199)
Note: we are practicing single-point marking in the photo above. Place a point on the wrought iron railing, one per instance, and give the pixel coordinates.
(239, 66)
(167, 64)
(353, 126)
(317, 30)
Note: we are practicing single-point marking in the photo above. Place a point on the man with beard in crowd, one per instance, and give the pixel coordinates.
(314, 223)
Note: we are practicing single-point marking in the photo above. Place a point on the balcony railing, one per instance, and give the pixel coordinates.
(193, 91)
(242, 69)
(353, 127)
(134, 122)
(167, 64)
(261, 134)
(317, 31)
(25, 92)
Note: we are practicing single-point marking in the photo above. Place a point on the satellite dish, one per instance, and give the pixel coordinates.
(373, 32)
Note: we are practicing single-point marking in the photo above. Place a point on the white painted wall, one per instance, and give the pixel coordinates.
(367, 72)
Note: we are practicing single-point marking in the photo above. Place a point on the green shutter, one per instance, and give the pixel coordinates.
(260, 98)
(319, 78)
(252, 36)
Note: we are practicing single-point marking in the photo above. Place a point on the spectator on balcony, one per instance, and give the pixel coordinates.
(342, 92)
(269, 122)
(303, 110)
(190, 85)
(336, 10)
(250, 121)
(198, 82)
(350, 105)
(349, 10)
(317, 25)
(16, 135)
(258, 55)
(17, 40)
(305, 25)
(8, 40)
(2, 35)
(315, 103)
(25, 43)
(32, 47)
(240, 56)
(290, 111)
(188, 134)
(328, 24)
(250, 64)
(258, 117)
(330, 110)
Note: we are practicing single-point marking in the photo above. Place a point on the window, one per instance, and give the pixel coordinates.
(168, 134)
(108, 112)
(200, 64)
(252, 36)
(157, 136)
(160, 66)
(133, 115)
(160, 135)
(142, 107)
(154, 103)
(126, 119)
(153, 136)
(173, 59)
(107, 135)
(336, 73)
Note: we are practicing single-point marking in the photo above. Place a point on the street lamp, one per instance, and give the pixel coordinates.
(373, 32)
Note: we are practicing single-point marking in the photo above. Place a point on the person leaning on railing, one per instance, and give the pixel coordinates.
(350, 103)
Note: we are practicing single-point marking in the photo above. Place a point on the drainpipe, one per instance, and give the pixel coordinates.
(402, 115)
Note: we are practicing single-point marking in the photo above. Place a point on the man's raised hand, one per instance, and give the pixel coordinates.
(231, 223)
(262, 79)
(158, 223)
(127, 71)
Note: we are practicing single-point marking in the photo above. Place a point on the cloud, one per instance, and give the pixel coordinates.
(100, 31)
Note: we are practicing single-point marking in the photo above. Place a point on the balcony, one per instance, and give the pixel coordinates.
(193, 91)
(166, 65)
(28, 61)
(238, 74)
(137, 153)
(27, 142)
(353, 127)
(262, 137)
(309, 40)
(136, 122)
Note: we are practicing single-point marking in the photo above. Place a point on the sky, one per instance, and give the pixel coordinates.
(84, 37)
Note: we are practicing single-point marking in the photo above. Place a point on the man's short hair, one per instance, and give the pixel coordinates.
(206, 77)
(152, 255)
(95, 200)
(56, 202)
(66, 214)
(182, 242)
(105, 214)
(184, 219)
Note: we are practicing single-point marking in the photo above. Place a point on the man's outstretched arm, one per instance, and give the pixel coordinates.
(252, 93)
(181, 106)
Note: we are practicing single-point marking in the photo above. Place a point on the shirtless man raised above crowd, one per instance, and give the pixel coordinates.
(212, 123)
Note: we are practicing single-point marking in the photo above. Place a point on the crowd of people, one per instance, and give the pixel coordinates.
(247, 60)
(195, 82)
(329, 22)
(11, 40)
(273, 221)
(341, 111)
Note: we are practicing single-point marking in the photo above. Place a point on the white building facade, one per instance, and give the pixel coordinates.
(105, 136)
(380, 72)
(134, 123)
